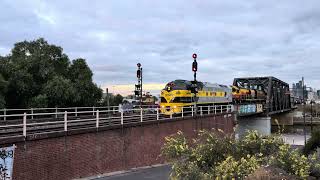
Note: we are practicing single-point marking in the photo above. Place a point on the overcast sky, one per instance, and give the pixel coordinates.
(232, 38)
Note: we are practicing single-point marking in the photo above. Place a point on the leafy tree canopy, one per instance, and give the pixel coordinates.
(114, 100)
(39, 74)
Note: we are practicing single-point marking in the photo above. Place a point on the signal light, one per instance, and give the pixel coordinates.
(194, 90)
(139, 65)
(138, 86)
(194, 55)
(194, 66)
(138, 73)
(137, 93)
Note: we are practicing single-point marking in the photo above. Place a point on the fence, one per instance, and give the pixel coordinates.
(79, 118)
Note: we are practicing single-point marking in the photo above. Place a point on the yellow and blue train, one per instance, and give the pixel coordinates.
(177, 94)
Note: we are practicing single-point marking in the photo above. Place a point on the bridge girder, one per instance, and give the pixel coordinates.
(277, 92)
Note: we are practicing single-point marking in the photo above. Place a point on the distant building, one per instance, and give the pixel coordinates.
(312, 96)
(297, 91)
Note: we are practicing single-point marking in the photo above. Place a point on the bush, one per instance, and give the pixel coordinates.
(291, 161)
(255, 144)
(313, 143)
(175, 147)
(189, 171)
(211, 149)
(314, 160)
(231, 168)
(213, 155)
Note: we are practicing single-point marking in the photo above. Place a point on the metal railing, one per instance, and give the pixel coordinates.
(56, 110)
(28, 123)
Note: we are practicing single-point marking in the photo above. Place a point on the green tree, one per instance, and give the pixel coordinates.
(114, 100)
(60, 92)
(33, 67)
(88, 93)
(3, 90)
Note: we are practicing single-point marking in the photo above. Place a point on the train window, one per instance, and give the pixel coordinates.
(163, 100)
(181, 100)
(225, 94)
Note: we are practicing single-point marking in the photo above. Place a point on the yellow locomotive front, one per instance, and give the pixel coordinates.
(175, 96)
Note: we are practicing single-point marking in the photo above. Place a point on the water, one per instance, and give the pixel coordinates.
(293, 135)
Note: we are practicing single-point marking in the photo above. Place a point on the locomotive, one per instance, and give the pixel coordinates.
(240, 94)
(177, 94)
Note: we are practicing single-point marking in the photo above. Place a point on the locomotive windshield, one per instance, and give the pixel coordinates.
(178, 85)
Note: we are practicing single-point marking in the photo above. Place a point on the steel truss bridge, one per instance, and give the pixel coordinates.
(277, 92)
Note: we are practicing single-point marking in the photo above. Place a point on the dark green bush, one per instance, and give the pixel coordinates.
(314, 160)
(313, 143)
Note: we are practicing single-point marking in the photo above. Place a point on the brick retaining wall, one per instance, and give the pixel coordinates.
(92, 153)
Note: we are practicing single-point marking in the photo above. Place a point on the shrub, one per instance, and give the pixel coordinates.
(211, 156)
(175, 147)
(291, 161)
(231, 168)
(314, 160)
(313, 143)
(211, 149)
(188, 171)
(255, 144)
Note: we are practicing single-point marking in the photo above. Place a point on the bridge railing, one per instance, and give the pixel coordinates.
(24, 124)
(57, 110)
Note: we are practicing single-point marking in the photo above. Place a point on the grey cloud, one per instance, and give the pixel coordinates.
(232, 38)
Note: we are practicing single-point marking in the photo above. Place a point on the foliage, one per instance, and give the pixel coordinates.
(314, 160)
(253, 143)
(175, 147)
(211, 149)
(3, 90)
(39, 74)
(291, 161)
(230, 167)
(188, 170)
(214, 155)
(114, 100)
(59, 92)
(40, 101)
(313, 143)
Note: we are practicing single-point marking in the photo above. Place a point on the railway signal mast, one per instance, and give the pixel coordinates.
(138, 87)
(194, 88)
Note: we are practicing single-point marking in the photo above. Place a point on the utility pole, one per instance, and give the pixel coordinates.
(138, 87)
(304, 113)
(194, 89)
(311, 102)
(108, 100)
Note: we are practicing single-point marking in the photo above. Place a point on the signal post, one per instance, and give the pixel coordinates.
(138, 87)
(194, 88)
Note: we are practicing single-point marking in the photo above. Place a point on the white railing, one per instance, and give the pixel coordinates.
(56, 110)
(35, 123)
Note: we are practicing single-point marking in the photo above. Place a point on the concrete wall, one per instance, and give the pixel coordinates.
(261, 124)
(93, 153)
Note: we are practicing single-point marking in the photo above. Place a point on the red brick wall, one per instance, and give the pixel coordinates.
(88, 154)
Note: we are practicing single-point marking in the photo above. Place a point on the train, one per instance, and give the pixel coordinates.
(246, 94)
(177, 95)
